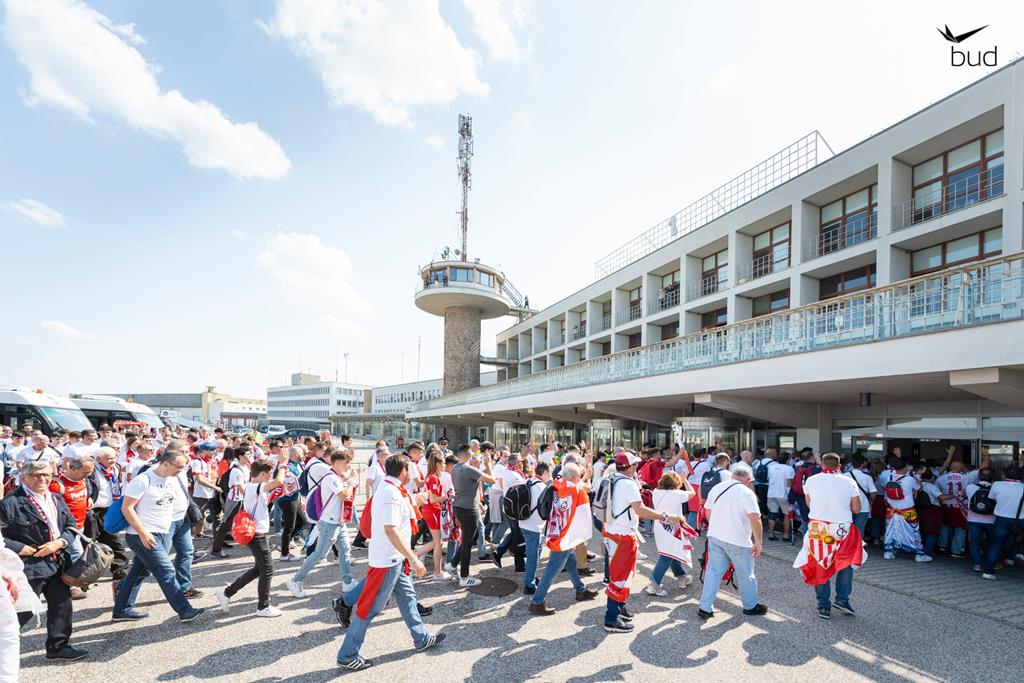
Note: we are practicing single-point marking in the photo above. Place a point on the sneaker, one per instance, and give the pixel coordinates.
(485, 558)
(189, 615)
(586, 571)
(295, 587)
(787, 539)
(685, 581)
(357, 664)
(194, 593)
(654, 589)
(888, 555)
(496, 559)
(541, 609)
(77, 593)
(976, 568)
(269, 611)
(956, 556)
(586, 594)
(1019, 557)
(756, 610)
(824, 612)
(591, 556)
(619, 626)
(423, 610)
(129, 615)
(529, 590)
(640, 555)
(431, 642)
(219, 554)
(346, 587)
(468, 582)
(67, 654)
(989, 577)
(923, 558)
(625, 614)
(704, 615)
(343, 612)
(1008, 562)
(223, 599)
(290, 557)
(845, 608)
(443, 576)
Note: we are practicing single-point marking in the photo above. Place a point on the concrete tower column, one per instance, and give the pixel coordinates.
(461, 348)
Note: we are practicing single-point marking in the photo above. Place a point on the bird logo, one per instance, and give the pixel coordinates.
(948, 35)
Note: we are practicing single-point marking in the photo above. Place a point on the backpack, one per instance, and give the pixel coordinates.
(546, 501)
(114, 521)
(893, 490)
(761, 473)
(803, 473)
(315, 503)
(222, 483)
(601, 506)
(243, 527)
(516, 503)
(981, 502)
(708, 481)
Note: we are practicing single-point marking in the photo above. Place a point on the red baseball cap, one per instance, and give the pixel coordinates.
(625, 460)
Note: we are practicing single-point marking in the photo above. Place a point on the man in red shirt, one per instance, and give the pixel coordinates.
(651, 469)
(70, 484)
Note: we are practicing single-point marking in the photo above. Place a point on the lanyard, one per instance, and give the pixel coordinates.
(42, 513)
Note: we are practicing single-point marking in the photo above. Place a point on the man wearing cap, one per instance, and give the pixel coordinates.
(621, 518)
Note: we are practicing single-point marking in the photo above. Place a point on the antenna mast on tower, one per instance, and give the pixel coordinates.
(465, 154)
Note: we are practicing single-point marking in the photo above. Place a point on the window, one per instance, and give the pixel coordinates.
(634, 340)
(771, 251)
(485, 278)
(715, 318)
(714, 273)
(462, 274)
(848, 221)
(960, 177)
(668, 294)
(770, 303)
(974, 247)
(672, 279)
(854, 280)
(606, 348)
(634, 304)
(669, 331)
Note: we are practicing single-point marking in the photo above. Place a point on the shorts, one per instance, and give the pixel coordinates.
(778, 507)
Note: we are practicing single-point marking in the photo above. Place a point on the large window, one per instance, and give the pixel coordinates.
(485, 278)
(712, 319)
(634, 340)
(606, 315)
(960, 177)
(669, 331)
(770, 303)
(848, 221)
(771, 251)
(668, 293)
(974, 247)
(462, 275)
(634, 304)
(714, 273)
(862, 277)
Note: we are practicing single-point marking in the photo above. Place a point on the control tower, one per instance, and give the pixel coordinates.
(466, 291)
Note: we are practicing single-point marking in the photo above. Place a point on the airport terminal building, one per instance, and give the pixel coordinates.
(871, 299)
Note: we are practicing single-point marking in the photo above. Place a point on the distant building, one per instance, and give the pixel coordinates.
(310, 401)
(397, 398)
(209, 406)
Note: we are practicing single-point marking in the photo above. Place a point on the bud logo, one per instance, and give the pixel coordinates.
(965, 57)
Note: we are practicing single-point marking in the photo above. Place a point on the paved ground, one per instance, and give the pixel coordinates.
(896, 636)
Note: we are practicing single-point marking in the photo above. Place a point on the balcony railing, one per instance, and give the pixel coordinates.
(707, 286)
(634, 311)
(987, 292)
(604, 323)
(761, 266)
(578, 332)
(665, 301)
(844, 236)
(942, 199)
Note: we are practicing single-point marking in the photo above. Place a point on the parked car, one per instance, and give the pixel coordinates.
(295, 434)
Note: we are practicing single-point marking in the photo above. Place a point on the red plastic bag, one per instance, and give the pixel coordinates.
(243, 528)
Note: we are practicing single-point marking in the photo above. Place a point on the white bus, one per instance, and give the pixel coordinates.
(22, 405)
(102, 409)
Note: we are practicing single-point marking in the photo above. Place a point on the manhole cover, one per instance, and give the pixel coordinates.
(494, 587)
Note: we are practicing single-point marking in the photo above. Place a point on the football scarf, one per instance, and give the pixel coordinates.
(902, 531)
(829, 547)
(570, 522)
(622, 551)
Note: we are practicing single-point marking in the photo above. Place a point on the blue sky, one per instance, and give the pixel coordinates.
(156, 243)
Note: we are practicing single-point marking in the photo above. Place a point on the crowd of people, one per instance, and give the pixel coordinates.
(146, 496)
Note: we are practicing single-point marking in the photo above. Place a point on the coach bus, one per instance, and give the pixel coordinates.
(20, 406)
(109, 410)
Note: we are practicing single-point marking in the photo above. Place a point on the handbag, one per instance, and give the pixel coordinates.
(91, 566)
(243, 527)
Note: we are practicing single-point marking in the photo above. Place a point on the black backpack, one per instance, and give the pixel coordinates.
(761, 473)
(981, 502)
(546, 501)
(222, 483)
(516, 503)
(708, 481)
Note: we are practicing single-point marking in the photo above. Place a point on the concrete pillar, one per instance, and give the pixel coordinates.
(620, 306)
(893, 210)
(818, 437)
(461, 348)
(804, 226)
(803, 290)
(690, 277)
(689, 323)
(739, 308)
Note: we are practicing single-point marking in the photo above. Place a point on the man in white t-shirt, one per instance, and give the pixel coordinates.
(143, 459)
(392, 522)
(238, 475)
(902, 531)
(618, 530)
(497, 522)
(39, 449)
(734, 517)
(204, 489)
(866, 489)
(832, 545)
(1009, 497)
(979, 524)
(149, 508)
(952, 484)
(511, 475)
(86, 447)
(780, 480)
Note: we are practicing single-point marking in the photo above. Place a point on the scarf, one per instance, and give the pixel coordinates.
(115, 481)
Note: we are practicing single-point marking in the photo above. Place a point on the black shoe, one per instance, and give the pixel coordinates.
(772, 537)
(529, 590)
(844, 607)
(67, 654)
(219, 554)
(129, 615)
(423, 610)
(485, 558)
(704, 615)
(358, 544)
(496, 559)
(625, 614)
(431, 642)
(591, 556)
(343, 612)
(586, 571)
(357, 664)
(825, 612)
(756, 610)
(619, 626)
(188, 616)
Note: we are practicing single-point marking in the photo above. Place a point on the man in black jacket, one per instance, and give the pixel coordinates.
(38, 526)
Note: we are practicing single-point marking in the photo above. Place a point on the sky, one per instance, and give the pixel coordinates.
(222, 192)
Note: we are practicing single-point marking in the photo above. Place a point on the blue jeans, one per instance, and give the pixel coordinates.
(557, 562)
(691, 519)
(400, 584)
(599, 526)
(975, 531)
(532, 539)
(720, 554)
(180, 538)
(844, 586)
(959, 539)
(861, 521)
(929, 541)
(662, 566)
(498, 530)
(155, 562)
(481, 549)
(998, 541)
(326, 535)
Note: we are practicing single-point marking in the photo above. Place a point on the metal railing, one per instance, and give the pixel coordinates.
(787, 163)
(942, 199)
(842, 236)
(578, 333)
(976, 294)
(664, 301)
(456, 284)
(604, 323)
(707, 285)
(759, 267)
(634, 311)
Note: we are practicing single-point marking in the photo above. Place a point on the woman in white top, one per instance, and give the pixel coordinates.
(9, 640)
(673, 541)
(255, 503)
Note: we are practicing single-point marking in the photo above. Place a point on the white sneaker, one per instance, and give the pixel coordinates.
(346, 587)
(295, 587)
(888, 556)
(640, 555)
(989, 577)
(1008, 562)
(290, 558)
(654, 589)
(469, 581)
(223, 599)
(443, 576)
(451, 569)
(269, 611)
(685, 581)
(923, 558)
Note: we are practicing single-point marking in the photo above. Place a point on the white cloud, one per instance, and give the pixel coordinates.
(382, 56)
(435, 141)
(36, 212)
(59, 329)
(494, 22)
(316, 277)
(237, 233)
(79, 60)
